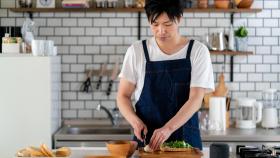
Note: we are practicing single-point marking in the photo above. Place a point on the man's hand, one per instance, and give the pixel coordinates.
(159, 136)
(138, 127)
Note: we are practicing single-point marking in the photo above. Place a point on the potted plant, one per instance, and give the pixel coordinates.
(241, 37)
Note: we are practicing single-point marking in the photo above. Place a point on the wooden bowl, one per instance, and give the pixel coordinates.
(245, 4)
(221, 4)
(121, 147)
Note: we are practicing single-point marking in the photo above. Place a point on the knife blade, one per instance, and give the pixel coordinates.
(113, 77)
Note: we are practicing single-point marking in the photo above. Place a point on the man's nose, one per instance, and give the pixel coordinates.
(162, 29)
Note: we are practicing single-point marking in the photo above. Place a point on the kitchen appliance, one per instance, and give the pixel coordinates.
(216, 41)
(217, 113)
(218, 150)
(258, 152)
(269, 112)
(248, 113)
(29, 101)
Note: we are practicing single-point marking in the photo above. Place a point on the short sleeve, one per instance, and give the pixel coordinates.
(128, 70)
(202, 70)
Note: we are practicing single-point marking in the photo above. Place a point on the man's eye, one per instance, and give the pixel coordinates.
(168, 24)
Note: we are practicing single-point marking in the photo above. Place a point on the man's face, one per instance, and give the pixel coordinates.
(164, 29)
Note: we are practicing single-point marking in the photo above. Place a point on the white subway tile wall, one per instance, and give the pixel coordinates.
(86, 40)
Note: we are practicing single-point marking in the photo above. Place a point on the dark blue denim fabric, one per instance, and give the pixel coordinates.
(166, 89)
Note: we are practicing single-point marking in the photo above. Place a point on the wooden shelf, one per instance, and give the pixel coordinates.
(77, 9)
(253, 10)
(226, 52)
(249, 10)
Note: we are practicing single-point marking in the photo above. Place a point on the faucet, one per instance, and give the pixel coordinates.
(99, 107)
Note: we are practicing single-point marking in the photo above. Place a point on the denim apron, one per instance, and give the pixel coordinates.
(166, 89)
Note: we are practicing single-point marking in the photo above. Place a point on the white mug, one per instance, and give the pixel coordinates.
(38, 47)
(49, 44)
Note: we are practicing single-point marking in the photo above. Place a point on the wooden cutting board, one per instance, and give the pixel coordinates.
(173, 154)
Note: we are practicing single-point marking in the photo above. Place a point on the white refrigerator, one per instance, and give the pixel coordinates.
(30, 101)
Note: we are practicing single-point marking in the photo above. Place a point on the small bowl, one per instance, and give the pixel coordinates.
(222, 4)
(245, 3)
(122, 147)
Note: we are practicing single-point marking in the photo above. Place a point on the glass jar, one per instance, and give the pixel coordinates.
(101, 3)
(129, 3)
(117, 116)
(112, 3)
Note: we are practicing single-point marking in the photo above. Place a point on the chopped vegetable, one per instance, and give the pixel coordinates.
(177, 144)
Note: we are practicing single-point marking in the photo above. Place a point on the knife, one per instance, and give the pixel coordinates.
(143, 137)
(101, 73)
(113, 77)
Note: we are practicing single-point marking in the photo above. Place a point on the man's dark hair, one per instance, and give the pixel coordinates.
(154, 8)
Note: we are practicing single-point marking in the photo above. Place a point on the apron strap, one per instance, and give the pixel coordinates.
(190, 48)
(147, 54)
(146, 50)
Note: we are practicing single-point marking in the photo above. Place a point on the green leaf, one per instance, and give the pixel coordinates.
(177, 144)
(241, 32)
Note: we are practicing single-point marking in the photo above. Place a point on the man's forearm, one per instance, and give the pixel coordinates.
(126, 108)
(184, 114)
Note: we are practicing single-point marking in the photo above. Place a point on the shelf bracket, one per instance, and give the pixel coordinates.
(30, 15)
(231, 57)
(139, 26)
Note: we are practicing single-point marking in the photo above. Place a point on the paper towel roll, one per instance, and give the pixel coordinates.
(217, 113)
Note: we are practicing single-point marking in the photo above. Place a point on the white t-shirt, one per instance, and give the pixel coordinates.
(134, 64)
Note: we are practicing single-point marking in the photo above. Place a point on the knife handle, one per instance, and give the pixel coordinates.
(143, 136)
(99, 82)
(109, 87)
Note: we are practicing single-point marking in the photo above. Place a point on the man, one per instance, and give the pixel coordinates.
(169, 75)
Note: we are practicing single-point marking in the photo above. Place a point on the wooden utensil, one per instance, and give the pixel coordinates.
(221, 89)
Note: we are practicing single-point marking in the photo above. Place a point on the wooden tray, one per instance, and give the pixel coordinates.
(172, 154)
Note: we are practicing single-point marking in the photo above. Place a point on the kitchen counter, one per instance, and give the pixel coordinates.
(80, 152)
(232, 136)
(242, 135)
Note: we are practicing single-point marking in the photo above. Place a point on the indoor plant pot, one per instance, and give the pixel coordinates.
(241, 38)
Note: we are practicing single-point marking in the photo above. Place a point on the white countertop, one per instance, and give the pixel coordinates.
(80, 152)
